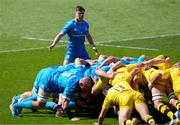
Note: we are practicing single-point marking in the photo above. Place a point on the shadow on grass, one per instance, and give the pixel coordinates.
(92, 112)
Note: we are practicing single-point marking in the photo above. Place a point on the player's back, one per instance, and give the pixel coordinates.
(116, 91)
(122, 75)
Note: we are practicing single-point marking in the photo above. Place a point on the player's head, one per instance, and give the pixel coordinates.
(85, 83)
(79, 13)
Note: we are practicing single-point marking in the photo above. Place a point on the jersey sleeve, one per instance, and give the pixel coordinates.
(87, 28)
(101, 83)
(70, 89)
(66, 27)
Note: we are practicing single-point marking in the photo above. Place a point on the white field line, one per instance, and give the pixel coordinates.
(39, 39)
(129, 47)
(142, 38)
(28, 49)
(109, 41)
(98, 43)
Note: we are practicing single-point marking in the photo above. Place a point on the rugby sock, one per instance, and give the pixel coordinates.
(72, 104)
(149, 119)
(17, 97)
(50, 105)
(165, 110)
(31, 98)
(26, 104)
(126, 122)
(177, 105)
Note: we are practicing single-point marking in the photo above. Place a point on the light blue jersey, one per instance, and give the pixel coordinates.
(132, 61)
(76, 37)
(90, 72)
(40, 75)
(54, 81)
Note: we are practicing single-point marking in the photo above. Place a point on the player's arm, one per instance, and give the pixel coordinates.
(157, 61)
(68, 94)
(56, 40)
(91, 62)
(134, 71)
(109, 60)
(105, 107)
(104, 74)
(101, 117)
(111, 73)
(91, 42)
(66, 109)
(116, 66)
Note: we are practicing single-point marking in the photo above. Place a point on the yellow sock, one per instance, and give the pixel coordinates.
(126, 122)
(178, 105)
(165, 110)
(149, 119)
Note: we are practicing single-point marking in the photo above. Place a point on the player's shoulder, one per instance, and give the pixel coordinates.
(84, 22)
(70, 22)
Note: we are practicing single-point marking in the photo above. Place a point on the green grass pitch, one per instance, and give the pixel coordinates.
(119, 28)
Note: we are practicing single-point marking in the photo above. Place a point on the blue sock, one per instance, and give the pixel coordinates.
(50, 105)
(72, 104)
(27, 104)
(31, 98)
(17, 97)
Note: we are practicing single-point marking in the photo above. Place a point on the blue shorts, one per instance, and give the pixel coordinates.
(72, 55)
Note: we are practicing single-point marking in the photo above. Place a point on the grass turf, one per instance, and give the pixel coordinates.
(125, 23)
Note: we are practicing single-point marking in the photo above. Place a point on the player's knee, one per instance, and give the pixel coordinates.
(41, 99)
(38, 104)
(157, 98)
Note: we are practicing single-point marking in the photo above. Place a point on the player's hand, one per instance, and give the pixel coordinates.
(113, 74)
(146, 67)
(51, 47)
(95, 50)
(97, 53)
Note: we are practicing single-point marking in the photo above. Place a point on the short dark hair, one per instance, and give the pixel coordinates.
(79, 8)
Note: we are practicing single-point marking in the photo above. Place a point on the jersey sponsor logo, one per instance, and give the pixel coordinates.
(81, 35)
(66, 74)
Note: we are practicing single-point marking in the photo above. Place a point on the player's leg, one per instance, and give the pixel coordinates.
(145, 114)
(160, 106)
(20, 97)
(140, 104)
(68, 58)
(40, 103)
(124, 117)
